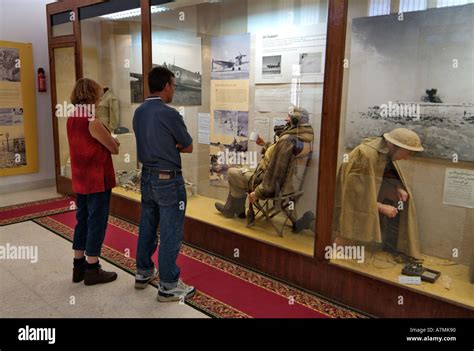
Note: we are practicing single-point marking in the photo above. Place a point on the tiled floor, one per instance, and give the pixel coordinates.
(44, 289)
(28, 196)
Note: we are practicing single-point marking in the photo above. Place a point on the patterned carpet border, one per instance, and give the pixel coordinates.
(303, 298)
(32, 216)
(201, 301)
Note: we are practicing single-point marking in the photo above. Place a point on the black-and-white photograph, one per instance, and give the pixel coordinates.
(242, 124)
(17, 116)
(271, 65)
(311, 62)
(188, 86)
(224, 155)
(401, 76)
(6, 116)
(232, 123)
(181, 54)
(12, 150)
(11, 116)
(230, 57)
(225, 122)
(9, 64)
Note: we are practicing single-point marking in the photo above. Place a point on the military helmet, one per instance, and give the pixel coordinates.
(298, 115)
(405, 139)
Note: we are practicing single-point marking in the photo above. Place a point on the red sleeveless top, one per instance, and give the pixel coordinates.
(91, 162)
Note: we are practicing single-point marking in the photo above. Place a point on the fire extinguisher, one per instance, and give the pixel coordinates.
(41, 80)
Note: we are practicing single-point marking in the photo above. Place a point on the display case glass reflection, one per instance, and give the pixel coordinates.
(111, 54)
(64, 60)
(405, 187)
(62, 24)
(239, 68)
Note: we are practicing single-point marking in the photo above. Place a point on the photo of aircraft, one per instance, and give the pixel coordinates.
(188, 85)
(185, 78)
(270, 66)
(236, 63)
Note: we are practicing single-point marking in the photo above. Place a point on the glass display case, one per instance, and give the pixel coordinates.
(238, 70)
(112, 56)
(375, 98)
(401, 208)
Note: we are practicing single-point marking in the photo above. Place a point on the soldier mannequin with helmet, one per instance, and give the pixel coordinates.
(374, 203)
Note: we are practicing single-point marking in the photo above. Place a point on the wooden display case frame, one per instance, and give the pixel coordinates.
(315, 274)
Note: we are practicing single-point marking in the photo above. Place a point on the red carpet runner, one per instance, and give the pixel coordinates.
(225, 290)
(24, 212)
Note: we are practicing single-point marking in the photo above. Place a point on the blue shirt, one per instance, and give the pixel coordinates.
(158, 128)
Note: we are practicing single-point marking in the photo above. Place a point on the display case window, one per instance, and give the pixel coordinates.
(379, 7)
(62, 24)
(413, 5)
(112, 55)
(64, 63)
(241, 68)
(447, 3)
(405, 187)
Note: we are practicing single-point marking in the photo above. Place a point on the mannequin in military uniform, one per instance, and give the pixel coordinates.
(373, 201)
(263, 182)
(108, 110)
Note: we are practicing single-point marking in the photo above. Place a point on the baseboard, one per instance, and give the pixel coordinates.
(15, 187)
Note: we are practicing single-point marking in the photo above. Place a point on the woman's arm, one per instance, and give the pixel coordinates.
(100, 132)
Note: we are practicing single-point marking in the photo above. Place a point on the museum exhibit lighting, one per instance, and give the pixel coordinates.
(134, 13)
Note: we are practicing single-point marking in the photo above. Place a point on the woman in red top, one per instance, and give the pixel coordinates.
(93, 177)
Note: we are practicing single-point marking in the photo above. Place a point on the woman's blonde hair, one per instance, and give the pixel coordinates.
(86, 91)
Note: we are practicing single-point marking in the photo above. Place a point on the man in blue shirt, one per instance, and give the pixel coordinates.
(161, 137)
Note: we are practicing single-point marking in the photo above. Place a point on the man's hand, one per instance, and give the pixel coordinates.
(253, 197)
(387, 210)
(402, 195)
(260, 141)
(187, 150)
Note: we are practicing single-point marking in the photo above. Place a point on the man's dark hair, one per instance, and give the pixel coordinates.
(158, 77)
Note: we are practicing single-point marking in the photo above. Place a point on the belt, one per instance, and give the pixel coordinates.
(163, 174)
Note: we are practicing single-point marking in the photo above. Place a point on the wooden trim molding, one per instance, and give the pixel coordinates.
(78, 50)
(58, 7)
(356, 290)
(146, 45)
(52, 75)
(65, 5)
(332, 96)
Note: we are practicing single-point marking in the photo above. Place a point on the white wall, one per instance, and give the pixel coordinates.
(25, 21)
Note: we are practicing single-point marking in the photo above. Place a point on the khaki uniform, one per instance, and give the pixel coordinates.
(239, 181)
(276, 164)
(358, 191)
(108, 110)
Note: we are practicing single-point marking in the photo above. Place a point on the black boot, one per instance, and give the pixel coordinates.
(304, 222)
(250, 216)
(79, 270)
(96, 275)
(234, 207)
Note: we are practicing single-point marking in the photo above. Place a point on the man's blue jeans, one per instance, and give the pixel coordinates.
(164, 204)
(92, 216)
